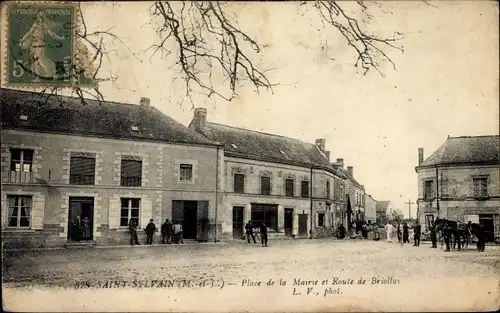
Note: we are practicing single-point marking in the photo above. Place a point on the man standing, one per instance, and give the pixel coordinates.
(133, 233)
(389, 228)
(150, 231)
(263, 234)
(447, 235)
(249, 231)
(433, 235)
(406, 233)
(416, 235)
(481, 240)
(166, 231)
(177, 228)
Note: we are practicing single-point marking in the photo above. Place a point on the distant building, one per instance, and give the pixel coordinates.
(370, 209)
(460, 181)
(286, 183)
(355, 197)
(64, 162)
(384, 210)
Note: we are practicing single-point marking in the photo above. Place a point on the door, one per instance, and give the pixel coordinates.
(288, 222)
(237, 222)
(81, 219)
(302, 224)
(489, 228)
(190, 220)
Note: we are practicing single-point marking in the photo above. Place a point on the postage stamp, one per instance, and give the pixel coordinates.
(40, 44)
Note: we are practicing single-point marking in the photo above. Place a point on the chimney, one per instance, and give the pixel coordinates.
(321, 144)
(327, 155)
(420, 155)
(145, 101)
(341, 162)
(200, 118)
(350, 170)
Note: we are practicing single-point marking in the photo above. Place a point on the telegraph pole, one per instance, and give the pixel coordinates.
(409, 207)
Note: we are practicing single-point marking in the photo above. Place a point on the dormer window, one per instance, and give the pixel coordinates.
(135, 128)
(234, 146)
(23, 117)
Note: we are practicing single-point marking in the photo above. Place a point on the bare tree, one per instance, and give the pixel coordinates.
(209, 45)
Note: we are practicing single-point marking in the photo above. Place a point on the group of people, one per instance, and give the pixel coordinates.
(364, 229)
(403, 233)
(249, 230)
(81, 229)
(170, 233)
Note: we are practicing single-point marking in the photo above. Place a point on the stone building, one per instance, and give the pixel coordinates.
(370, 209)
(65, 164)
(355, 199)
(383, 211)
(460, 181)
(287, 183)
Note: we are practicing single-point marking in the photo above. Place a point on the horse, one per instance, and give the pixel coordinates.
(457, 231)
(461, 233)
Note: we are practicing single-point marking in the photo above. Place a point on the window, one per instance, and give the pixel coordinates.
(186, 172)
(129, 210)
(328, 189)
(289, 186)
(428, 189)
(265, 185)
(321, 219)
(82, 171)
(131, 173)
(239, 183)
(304, 189)
(19, 211)
(21, 160)
(480, 187)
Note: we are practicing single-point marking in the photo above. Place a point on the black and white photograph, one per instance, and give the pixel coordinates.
(250, 156)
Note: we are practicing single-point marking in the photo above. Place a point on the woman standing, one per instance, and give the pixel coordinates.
(86, 228)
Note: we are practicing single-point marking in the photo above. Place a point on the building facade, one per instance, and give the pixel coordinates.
(286, 183)
(370, 209)
(384, 211)
(460, 181)
(76, 174)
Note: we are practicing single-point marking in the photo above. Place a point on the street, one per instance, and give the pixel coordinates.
(246, 269)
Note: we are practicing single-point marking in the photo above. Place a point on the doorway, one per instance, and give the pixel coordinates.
(489, 226)
(302, 224)
(288, 222)
(81, 219)
(189, 219)
(237, 222)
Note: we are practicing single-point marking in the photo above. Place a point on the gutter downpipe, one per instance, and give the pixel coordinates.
(437, 190)
(216, 191)
(311, 205)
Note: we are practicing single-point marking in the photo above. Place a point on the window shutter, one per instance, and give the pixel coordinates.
(146, 212)
(37, 211)
(114, 213)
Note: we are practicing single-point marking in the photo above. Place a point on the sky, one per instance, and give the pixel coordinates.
(445, 82)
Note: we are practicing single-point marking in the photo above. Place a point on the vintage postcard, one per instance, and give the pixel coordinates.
(260, 156)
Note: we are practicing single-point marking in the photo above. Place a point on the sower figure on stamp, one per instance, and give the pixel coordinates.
(150, 231)
(249, 231)
(166, 232)
(263, 234)
(133, 233)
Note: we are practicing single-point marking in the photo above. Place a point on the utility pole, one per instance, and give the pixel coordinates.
(409, 207)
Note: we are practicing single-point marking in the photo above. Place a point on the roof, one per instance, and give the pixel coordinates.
(382, 206)
(467, 149)
(239, 142)
(61, 114)
(352, 179)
